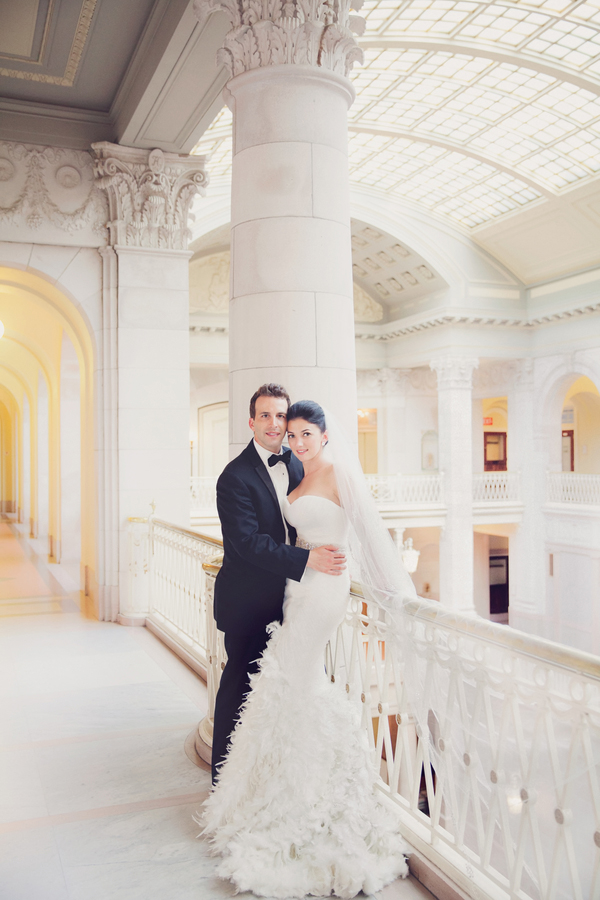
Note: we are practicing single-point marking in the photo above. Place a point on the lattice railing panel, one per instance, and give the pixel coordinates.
(506, 784)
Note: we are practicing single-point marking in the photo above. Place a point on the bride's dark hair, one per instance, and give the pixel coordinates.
(309, 411)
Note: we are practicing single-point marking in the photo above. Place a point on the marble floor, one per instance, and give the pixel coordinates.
(96, 791)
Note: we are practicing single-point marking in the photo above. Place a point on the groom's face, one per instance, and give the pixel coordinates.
(270, 422)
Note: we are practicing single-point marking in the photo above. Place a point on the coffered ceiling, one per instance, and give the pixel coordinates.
(140, 72)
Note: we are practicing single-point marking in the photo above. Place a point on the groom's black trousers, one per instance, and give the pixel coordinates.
(243, 653)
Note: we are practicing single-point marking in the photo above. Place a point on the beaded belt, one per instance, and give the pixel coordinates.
(306, 545)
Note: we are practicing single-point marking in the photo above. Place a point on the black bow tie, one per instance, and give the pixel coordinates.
(283, 457)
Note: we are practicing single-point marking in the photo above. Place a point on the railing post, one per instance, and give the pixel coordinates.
(215, 664)
(137, 602)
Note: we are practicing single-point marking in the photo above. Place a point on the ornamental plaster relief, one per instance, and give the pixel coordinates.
(149, 194)
(263, 33)
(496, 377)
(366, 309)
(454, 372)
(209, 283)
(48, 196)
(386, 381)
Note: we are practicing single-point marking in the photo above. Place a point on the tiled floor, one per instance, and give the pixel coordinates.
(96, 792)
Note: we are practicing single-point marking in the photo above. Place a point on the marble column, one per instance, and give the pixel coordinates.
(456, 462)
(291, 310)
(146, 416)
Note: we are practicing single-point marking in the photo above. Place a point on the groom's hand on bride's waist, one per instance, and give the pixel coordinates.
(328, 559)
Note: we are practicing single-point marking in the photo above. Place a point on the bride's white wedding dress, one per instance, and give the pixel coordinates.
(295, 811)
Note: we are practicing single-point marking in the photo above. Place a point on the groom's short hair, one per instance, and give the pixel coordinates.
(268, 390)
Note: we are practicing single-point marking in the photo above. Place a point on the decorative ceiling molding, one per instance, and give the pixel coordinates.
(67, 79)
(395, 331)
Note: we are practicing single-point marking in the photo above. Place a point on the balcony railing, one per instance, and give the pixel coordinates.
(508, 802)
(396, 491)
(177, 589)
(203, 494)
(406, 490)
(574, 487)
(490, 487)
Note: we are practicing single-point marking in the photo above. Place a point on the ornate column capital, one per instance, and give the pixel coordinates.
(263, 33)
(149, 194)
(454, 371)
(524, 374)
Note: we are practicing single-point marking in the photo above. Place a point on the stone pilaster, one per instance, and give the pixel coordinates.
(146, 402)
(528, 455)
(456, 461)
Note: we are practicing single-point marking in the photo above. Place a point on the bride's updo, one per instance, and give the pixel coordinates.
(309, 411)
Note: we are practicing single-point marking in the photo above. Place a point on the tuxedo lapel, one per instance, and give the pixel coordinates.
(261, 471)
(266, 478)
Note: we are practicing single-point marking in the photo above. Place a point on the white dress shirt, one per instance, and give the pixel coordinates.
(280, 477)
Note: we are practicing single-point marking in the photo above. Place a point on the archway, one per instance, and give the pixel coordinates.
(47, 343)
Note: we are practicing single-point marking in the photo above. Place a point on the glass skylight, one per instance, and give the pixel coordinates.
(471, 109)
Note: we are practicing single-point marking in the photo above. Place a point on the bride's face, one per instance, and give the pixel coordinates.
(305, 439)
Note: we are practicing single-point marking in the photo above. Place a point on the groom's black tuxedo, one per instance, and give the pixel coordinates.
(250, 586)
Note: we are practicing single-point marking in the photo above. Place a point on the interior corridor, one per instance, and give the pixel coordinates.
(96, 791)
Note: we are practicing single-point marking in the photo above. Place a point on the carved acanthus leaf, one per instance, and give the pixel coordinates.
(273, 32)
(35, 178)
(149, 194)
(454, 371)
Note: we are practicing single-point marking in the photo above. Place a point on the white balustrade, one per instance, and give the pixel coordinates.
(406, 490)
(494, 486)
(574, 487)
(203, 494)
(510, 805)
(177, 589)
(508, 802)
(393, 490)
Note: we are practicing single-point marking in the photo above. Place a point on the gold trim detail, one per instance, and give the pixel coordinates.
(77, 47)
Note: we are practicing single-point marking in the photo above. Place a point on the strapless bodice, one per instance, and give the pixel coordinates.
(317, 520)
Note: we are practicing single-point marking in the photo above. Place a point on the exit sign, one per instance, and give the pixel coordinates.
(488, 420)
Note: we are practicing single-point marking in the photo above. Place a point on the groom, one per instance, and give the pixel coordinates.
(259, 554)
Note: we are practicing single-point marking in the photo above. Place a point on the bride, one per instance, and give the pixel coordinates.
(295, 811)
